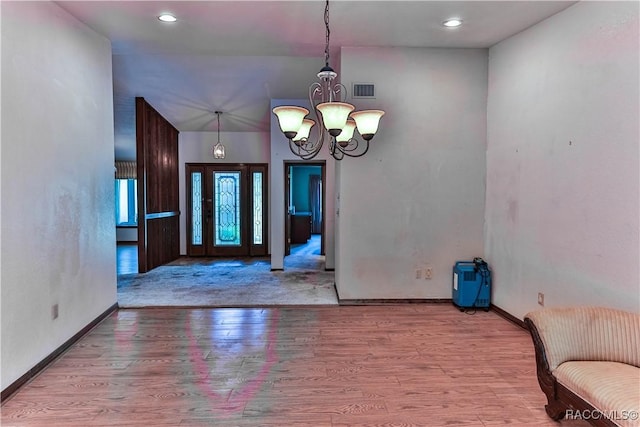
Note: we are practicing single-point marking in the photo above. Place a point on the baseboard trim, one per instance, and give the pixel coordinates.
(394, 301)
(39, 367)
(510, 317)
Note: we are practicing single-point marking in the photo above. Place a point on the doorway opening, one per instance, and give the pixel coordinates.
(305, 215)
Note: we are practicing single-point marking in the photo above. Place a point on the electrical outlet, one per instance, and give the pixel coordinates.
(418, 273)
(541, 299)
(54, 311)
(428, 273)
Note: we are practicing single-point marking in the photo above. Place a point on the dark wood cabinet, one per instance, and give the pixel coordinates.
(300, 227)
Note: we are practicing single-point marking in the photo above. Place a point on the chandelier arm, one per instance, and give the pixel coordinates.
(315, 91)
(353, 145)
(334, 150)
(299, 150)
(295, 148)
(309, 149)
(304, 148)
(339, 92)
(311, 152)
(309, 156)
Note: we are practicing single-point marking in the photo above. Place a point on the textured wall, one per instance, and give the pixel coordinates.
(58, 227)
(562, 182)
(416, 199)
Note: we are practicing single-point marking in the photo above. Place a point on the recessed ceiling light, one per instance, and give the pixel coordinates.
(452, 23)
(167, 17)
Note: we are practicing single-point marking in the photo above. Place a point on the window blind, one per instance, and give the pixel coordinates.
(126, 170)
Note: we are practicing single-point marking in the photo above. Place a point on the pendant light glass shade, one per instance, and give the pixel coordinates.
(218, 151)
(335, 115)
(290, 119)
(367, 122)
(347, 133)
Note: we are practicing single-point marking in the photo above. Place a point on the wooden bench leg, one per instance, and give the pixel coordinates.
(555, 409)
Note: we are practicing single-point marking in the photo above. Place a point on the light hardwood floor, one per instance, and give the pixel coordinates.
(393, 365)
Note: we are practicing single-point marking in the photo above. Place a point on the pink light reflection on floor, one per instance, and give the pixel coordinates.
(224, 402)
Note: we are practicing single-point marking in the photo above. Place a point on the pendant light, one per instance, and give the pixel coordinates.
(218, 149)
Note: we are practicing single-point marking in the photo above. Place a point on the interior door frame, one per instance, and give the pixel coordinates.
(287, 201)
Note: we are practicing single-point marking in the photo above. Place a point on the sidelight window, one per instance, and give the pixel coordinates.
(196, 208)
(257, 208)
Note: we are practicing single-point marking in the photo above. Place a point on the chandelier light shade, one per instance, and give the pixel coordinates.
(347, 133)
(367, 122)
(290, 119)
(337, 119)
(303, 131)
(218, 149)
(335, 115)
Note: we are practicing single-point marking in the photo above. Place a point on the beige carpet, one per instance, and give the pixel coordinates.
(245, 282)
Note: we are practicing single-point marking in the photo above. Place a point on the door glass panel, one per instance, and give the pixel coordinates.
(257, 208)
(227, 208)
(196, 208)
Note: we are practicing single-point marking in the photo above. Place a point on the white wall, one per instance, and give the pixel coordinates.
(562, 187)
(58, 227)
(416, 199)
(196, 147)
(280, 153)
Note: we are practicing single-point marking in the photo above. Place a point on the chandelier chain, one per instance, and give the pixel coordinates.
(328, 32)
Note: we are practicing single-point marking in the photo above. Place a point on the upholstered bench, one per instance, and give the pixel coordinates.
(588, 363)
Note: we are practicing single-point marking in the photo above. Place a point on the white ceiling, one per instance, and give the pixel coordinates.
(234, 56)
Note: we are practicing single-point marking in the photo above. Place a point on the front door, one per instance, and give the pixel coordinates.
(226, 209)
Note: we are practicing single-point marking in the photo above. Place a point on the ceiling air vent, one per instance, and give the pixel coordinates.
(364, 90)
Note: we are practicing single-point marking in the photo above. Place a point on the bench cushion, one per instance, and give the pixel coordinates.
(611, 387)
(588, 333)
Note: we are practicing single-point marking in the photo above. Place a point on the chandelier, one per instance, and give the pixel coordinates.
(218, 149)
(339, 120)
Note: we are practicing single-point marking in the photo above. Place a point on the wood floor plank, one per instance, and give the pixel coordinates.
(388, 365)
